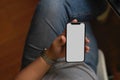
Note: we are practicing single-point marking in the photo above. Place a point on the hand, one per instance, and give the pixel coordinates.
(57, 48)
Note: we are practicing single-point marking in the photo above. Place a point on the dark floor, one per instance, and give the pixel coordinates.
(108, 37)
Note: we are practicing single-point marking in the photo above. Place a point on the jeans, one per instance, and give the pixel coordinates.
(49, 21)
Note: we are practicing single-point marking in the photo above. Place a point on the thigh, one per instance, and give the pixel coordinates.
(84, 10)
(91, 58)
(48, 22)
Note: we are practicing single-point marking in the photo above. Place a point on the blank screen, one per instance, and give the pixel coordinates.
(75, 42)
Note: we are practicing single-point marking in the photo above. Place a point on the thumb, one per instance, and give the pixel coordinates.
(61, 40)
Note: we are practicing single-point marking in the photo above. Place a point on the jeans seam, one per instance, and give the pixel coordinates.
(35, 47)
(51, 26)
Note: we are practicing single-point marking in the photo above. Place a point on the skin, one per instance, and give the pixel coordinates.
(37, 69)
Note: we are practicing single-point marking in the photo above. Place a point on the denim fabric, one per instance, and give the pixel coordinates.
(49, 21)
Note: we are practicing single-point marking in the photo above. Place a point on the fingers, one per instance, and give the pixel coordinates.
(75, 21)
(87, 40)
(87, 49)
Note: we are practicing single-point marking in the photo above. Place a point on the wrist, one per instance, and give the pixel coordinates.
(47, 57)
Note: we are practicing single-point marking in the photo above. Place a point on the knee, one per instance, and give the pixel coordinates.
(51, 7)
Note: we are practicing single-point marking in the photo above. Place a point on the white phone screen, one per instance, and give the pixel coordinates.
(75, 42)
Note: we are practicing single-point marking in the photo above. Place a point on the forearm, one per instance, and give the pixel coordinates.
(35, 71)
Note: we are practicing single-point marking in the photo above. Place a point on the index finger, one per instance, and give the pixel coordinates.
(74, 20)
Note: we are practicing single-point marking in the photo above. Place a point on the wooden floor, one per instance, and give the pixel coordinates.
(15, 17)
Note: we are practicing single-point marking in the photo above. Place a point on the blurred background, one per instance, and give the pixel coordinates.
(15, 18)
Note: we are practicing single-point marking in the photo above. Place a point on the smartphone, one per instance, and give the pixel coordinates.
(115, 4)
(75, 43)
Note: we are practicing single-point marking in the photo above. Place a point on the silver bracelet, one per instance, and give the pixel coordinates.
(46, 58)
